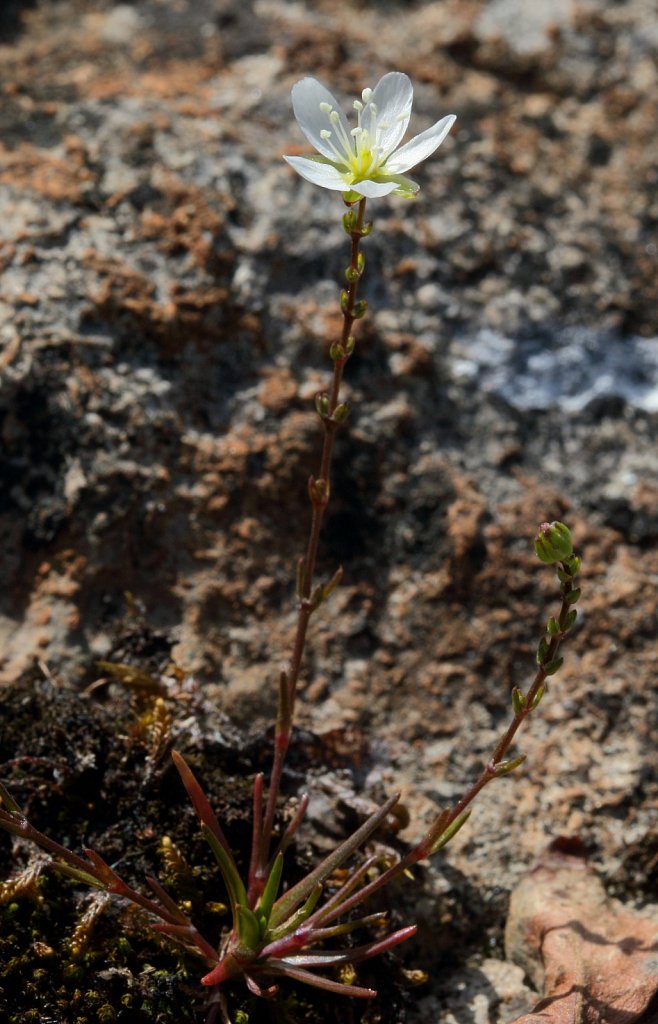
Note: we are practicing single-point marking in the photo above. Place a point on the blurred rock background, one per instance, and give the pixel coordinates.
(168, 292)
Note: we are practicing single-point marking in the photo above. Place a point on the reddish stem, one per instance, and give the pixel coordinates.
(319, 501)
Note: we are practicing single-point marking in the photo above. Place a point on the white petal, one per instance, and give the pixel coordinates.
(419, 148)
(373, 189)
(392, 96)
(316, 170)
(307, 95)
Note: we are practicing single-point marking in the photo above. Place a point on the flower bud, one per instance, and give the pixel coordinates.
(518, 701)
(553, 543)
(341, 412)
(322, 405)
(349, 221)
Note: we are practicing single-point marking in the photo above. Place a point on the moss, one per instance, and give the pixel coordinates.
(82, 775)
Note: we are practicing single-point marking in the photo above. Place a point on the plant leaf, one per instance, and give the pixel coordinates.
(291, 900)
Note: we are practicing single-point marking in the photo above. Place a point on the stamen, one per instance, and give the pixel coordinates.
(325, 108)
(325, 134)
(342, 135)
(358, 105)
(366, 95)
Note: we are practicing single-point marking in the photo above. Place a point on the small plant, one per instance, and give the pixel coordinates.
(294, 932)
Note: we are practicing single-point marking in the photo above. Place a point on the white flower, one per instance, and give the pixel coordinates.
(364, 160)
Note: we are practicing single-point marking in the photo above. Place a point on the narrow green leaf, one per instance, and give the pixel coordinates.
(236, 890)
(553, 666)
(248, 927)
(271, 888)
(77, 875)
(296, 919)
(451, 831)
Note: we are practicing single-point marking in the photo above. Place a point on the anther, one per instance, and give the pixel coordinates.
(325, 134)
(325, 108)
(358, 105)
(366, 95)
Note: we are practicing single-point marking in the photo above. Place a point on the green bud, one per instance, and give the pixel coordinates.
(344, 301)
(572, 596)
(352, 274)
(572, 565)
(551, 667)
(337, 352)
(341, 412)
(506, 767)
(553, 626)
(537, 697)
(349, 221)
(333, 582)
(318, 491)
(360, 263)
(542, 650)
(322, 404)
(518, 701)
(553, 543)
(570, 620)
(349, 345)
(360, 309)
(366, 229)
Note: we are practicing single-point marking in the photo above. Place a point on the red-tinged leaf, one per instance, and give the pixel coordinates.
(199, 800)
(351, 956)
(317, 981)
(9, 802)
(167, 901)
(183, 930)
(291, 900)
(105, 872)
(333, 905)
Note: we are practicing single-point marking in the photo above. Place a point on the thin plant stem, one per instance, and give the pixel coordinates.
(446, 819)
(319, 492)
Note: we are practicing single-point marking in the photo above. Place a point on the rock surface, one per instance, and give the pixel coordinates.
(168, 293)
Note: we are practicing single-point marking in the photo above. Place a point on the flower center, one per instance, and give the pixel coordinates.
(360, 151)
